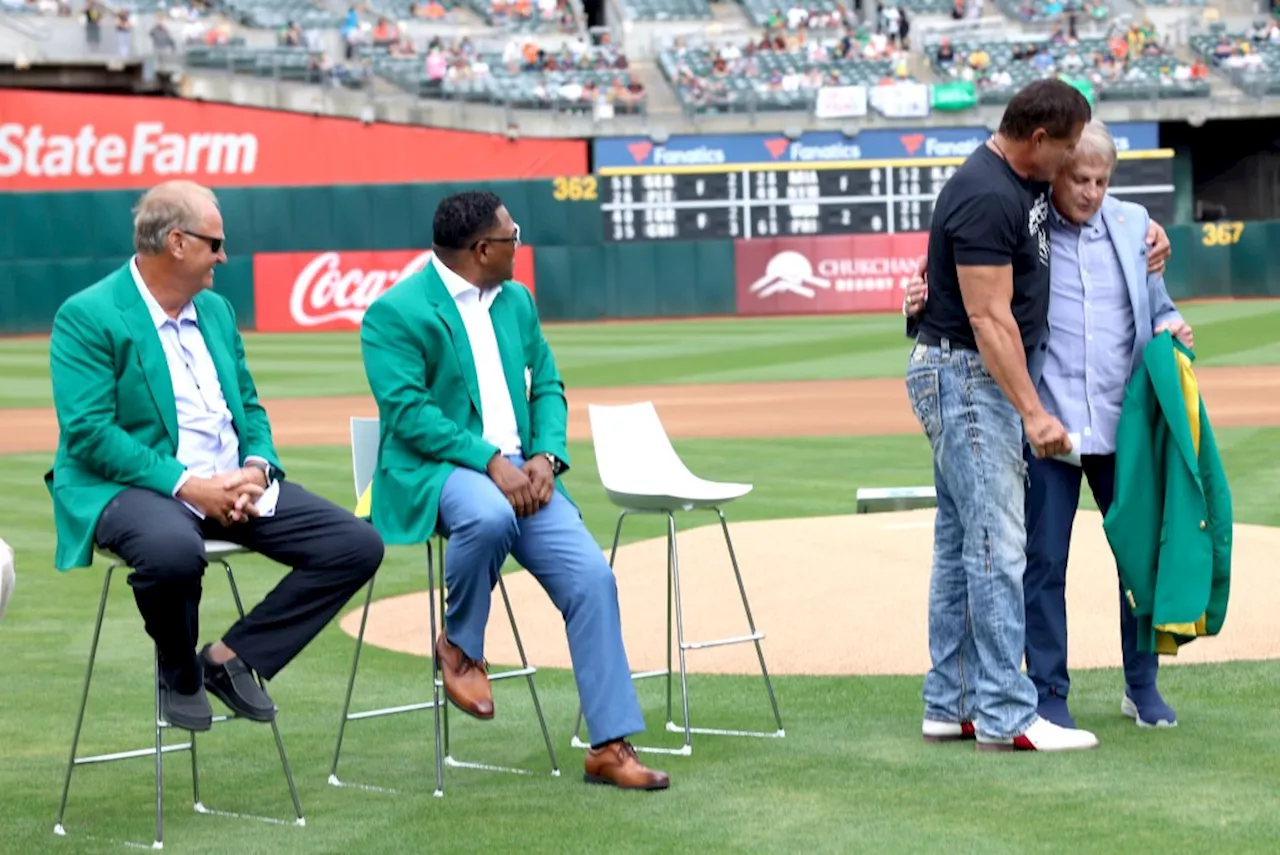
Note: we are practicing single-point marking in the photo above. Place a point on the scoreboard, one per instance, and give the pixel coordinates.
(786, 200)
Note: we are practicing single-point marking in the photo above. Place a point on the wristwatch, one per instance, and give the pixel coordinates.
(556, 466)
(263, 465)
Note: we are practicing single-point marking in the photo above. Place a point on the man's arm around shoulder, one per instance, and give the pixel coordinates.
(82, 370)
(1163, 310)
(395, 364)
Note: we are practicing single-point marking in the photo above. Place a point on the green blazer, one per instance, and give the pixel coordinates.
(1170, 523)
(117, 420)
(418, 361)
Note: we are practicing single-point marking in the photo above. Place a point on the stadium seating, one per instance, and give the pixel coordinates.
(766, 79)
(1250, 60)
(487, 77)
(666, 10)
(274, 14)
(297, 64)
(1045, 11)
(1001, 74)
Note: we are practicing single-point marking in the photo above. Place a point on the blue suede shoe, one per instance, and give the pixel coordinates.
(1054, 709)
(1147, 708)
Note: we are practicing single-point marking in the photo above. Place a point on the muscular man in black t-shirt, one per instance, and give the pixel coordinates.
(987, 215)
(969, 387)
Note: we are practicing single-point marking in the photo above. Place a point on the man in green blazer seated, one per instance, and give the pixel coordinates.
(473, 418)
(162, 443)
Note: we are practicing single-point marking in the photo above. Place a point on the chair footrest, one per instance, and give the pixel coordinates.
(644, 675)
(137, 752)
(721, 642)
(425, 705)
(503, 675)
(672, 727)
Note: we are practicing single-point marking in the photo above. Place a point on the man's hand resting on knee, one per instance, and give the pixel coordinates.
(227, 497)
(514, 484)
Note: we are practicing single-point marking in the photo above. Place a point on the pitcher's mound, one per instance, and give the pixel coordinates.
(834, 595)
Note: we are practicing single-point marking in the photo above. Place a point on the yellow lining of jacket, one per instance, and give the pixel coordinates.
(1165, 641)
(364, 507)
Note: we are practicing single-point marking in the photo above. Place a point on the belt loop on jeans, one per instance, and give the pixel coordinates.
(945, 344)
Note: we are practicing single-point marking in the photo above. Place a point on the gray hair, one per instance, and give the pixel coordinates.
(164, 208)
(1096, 141)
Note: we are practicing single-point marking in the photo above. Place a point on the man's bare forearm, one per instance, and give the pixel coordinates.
(1000, 344)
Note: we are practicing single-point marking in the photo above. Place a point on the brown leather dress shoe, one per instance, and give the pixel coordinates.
(465, 682)
(616, 763)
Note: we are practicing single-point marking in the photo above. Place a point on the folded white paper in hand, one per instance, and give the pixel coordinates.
(266, 503)
(1072, 456)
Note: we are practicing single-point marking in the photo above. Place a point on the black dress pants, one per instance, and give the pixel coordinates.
(332, 552)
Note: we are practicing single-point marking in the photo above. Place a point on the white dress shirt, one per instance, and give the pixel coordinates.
(496, 410)
(207, 439)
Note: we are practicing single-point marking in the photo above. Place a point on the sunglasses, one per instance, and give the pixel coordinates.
(513, 239)
(215, 243)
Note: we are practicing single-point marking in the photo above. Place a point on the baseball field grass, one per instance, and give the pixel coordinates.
(851, 775)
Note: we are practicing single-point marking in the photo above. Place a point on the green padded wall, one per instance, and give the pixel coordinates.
(53, 244)
(636, 280)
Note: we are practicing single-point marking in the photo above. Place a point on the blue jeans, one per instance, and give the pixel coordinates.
(977, 619)
(556, 548)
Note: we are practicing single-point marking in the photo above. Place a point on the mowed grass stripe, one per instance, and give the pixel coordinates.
(661, 352)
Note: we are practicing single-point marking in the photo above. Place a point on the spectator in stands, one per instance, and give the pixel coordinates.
(93, 24)
(291, 35)
(161, 39)
(124, 33)
(384, 33)
(437, 67)
(946, 55)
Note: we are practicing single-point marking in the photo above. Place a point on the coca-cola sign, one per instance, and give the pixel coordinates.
(331, 290)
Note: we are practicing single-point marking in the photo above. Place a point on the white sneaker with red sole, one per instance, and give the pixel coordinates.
(946, 731)
(1042, 735)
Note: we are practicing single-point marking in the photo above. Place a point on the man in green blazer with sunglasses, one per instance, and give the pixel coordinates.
(163, 444)
(473, 419)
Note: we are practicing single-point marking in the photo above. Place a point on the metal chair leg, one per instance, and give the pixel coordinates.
(673, 599)
(437, 684)
(525, 670)
(347, 715)
(755, 636)
(58, 828)
(275, 727)
(160, 749)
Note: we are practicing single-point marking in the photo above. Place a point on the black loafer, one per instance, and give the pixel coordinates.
(234, 685)
(189, 712)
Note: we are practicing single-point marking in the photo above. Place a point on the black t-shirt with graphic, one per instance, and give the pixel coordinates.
(986, 214)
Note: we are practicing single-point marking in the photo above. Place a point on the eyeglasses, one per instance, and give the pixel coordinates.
(215, 243)
(513, 239)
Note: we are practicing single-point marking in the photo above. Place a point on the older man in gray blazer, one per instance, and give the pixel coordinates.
(1105, 306)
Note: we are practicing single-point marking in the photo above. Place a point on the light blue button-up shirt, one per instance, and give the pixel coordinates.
(207, 439)
(1091, 335)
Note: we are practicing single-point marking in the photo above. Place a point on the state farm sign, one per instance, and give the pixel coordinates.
(65, 141)
(295, 291)
(147, 150)
(819, 275)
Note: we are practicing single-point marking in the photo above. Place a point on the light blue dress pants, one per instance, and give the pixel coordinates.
(555, 546)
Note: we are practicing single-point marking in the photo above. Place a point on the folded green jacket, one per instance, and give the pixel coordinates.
(1169, 524)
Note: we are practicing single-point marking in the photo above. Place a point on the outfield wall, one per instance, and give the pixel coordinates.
(313, 257)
